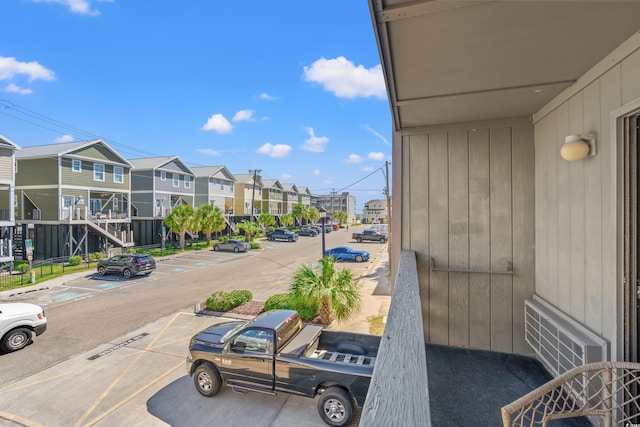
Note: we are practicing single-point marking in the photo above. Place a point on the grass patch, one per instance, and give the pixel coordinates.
(376, 325)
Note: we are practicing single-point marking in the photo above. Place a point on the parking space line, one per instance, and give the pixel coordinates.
(124, 373)
(19, 420)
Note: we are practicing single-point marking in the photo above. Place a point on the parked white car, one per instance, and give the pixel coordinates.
(18, 323)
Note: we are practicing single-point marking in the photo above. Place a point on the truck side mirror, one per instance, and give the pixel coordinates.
(239, 347)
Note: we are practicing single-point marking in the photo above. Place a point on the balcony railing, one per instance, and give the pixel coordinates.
(5, 214)
(399, 394)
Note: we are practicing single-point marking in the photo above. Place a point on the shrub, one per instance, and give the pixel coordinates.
(75, 260)
(255, 245)
(224, 301)
(96, 256)
(308, 309)
(223, 239)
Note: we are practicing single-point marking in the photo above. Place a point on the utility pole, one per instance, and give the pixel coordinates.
(388, 194)
(253, 193)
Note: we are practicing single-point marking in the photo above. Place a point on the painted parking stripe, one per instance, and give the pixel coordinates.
(202, 264)
(178, 270)
(66, 296)
(109, 285)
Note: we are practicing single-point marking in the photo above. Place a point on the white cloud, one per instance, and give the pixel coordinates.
(244, 116)
(354, 158)
(218, 123)
(314, 143)
(373, 131)
(327, 182)
(64, 138)
(13, 88)
(266, 97)
(346, 80)
(367, 169)
(286, 176)
(376, 156)
(208, 151)
(10, 68)
(316, 172)
(82, 7)
(276, 151)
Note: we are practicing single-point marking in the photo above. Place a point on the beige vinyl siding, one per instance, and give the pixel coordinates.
(469, 204)
(37, 172)
(6, 165)
(577, 205)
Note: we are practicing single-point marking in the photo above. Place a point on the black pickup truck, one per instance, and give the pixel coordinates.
(371, 235)
(281, 234)
(275, 353)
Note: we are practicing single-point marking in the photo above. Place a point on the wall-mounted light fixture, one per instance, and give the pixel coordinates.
(578, 147)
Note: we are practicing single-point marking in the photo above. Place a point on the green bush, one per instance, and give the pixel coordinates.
(96, 256)
(255, 245)
(224, 301)
(307, 309)
(75, 260)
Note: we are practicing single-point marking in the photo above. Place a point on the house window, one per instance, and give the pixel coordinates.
(76, 165)
(163, 176)
(222, 185)
(118, 173)
(67, 201)
(187, 181)
(98, 172)
(176, 180)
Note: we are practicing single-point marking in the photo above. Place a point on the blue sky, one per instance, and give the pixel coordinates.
(293, 88)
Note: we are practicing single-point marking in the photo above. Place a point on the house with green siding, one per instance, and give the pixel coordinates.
(7, 189)
(272, 197)
(73, 198)
(158, 184)
(214, 186)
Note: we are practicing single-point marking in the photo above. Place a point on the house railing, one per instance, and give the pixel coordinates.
(5, 214)
(399, 391)
(606, 391)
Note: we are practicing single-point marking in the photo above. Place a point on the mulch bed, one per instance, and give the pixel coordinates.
(251, 308)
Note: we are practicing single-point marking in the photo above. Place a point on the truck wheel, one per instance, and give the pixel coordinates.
(207, 380)
(126, 273)
(358, 258)
(359, 240)
(102, 271)
(335, 407)
(16, 339)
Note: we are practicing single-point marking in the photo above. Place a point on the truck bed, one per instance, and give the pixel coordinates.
(334, 346)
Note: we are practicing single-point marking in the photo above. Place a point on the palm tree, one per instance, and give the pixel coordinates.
(299, 211)
(336, 290)
(180, 219)
(340, 216)
(286, 219)
(266, 219)
(313, 214)
(210, 220)
(250, 229)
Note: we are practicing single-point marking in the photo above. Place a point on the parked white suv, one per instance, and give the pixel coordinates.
(18, 323)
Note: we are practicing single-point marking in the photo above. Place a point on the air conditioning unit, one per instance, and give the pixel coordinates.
(560, 342)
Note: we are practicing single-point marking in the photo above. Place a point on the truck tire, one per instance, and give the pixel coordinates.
(207, 380)
(359, 240)
(335, 407)
(15, 340)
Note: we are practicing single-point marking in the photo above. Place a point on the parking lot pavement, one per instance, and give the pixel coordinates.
(140, 380)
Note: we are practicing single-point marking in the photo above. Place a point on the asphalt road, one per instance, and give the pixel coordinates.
(89, 311)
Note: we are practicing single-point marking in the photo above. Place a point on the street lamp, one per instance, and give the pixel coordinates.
(323, 220)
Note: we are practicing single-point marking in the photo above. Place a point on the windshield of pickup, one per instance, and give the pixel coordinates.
(233, 331)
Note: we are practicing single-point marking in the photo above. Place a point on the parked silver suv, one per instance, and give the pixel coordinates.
(127, 264)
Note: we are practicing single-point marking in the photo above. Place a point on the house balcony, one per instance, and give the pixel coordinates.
(416, 383)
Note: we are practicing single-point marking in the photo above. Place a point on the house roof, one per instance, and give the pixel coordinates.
(153, 163)
(450, 61)
(247, 178)
(64, 148)
(211, 171)
(6, 142)
(304, 190)
(290, 187)
(268, 183)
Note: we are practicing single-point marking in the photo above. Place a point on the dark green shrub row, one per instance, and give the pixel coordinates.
(224, 301)
(307, 309)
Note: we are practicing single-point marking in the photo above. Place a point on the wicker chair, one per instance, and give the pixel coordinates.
(606, 390)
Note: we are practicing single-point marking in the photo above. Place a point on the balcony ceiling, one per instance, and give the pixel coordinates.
(448, 61)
